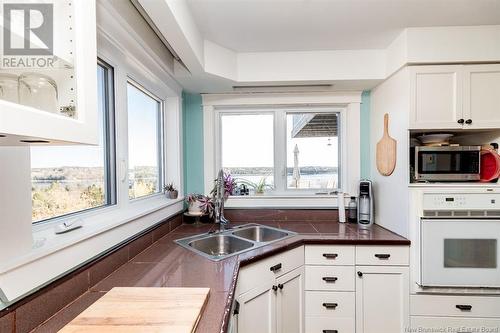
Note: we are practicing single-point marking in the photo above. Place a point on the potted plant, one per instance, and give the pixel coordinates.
(229, 186)
(170, 191)
(259, 187)
(194, 204)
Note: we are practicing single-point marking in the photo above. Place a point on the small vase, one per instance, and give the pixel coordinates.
(195, 208)
(172, 194)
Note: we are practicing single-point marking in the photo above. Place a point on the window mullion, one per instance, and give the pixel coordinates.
(280, 151)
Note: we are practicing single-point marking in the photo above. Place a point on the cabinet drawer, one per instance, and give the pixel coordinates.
(329, 255)
(454, 324)
(335, 278)
(455, 306)
(382, 255)
(330, 304)
(266, 270)
(329, 325)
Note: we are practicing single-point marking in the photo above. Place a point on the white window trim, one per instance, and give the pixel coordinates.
(52, 256)
(347, 102)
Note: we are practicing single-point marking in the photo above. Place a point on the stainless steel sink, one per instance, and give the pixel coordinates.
(260, 233)
(220, 245)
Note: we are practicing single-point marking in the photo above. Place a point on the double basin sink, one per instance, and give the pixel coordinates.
(220, 245)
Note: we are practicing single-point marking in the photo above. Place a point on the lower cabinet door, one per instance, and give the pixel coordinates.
(382, 299)
(316, 324)
(290, 302)
(257, 310)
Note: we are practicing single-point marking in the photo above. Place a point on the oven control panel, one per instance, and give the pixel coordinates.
(461, 201)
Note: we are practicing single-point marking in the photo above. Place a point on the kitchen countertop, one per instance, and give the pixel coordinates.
(166, 264)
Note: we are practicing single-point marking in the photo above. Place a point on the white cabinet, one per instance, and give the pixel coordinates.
(436, 97)
(459, 325)
(455, 96)
(270, 295)
(53, 100)
(290, 302)
(382, 299)
(482, 95)
(323, 296)
(276, 306)
(257, 310)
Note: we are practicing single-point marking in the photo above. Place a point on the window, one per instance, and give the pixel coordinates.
(71, 179)
(247, 147)
(144, 142)
(290, 151)
(312, 145)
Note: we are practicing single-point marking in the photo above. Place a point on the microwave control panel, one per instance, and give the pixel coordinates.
(458, 201)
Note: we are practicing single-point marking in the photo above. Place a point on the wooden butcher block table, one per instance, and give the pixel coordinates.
(172, 310)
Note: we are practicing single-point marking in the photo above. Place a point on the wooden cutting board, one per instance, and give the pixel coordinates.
(172, 310)
(386, 151)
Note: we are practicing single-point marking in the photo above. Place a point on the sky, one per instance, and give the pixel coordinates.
(247, 141)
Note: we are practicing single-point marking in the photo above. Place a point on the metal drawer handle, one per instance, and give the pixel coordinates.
(330, 331)
(330, 255)
(464, 307)
(382, 256)
(330, 278)
(330, 305)
(276, 267)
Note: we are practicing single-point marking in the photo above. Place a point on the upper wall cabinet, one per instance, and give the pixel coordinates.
(48, 85)
(436, 97)
(455, 97)
(482, 96)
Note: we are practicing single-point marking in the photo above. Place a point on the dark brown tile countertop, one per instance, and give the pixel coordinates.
(166, 264)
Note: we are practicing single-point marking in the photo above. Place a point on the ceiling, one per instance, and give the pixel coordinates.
(300, 25)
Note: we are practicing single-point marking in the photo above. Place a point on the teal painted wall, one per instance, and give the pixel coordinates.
(192, 114)
(365, 134)
(192, 129)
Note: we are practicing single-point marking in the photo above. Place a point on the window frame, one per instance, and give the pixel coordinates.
(109, 150)
(161, 151)
(280, 144)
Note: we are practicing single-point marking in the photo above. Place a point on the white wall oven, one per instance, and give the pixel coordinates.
(460, 240)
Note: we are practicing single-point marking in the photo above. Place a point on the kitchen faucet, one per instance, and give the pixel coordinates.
(220, 190)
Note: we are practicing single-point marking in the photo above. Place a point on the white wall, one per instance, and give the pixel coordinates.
(15, 196)
(391, 193)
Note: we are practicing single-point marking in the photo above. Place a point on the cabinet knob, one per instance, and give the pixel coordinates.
(330, 331)
(460, 121)
(280, 286)
(275, 288)
(360, 274)
(330, 255)
(468, 121)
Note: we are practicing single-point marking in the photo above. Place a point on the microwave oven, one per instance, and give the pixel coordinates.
(449, 163)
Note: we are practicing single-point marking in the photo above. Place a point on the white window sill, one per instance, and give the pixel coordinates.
(305, 201)
(45, 241)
